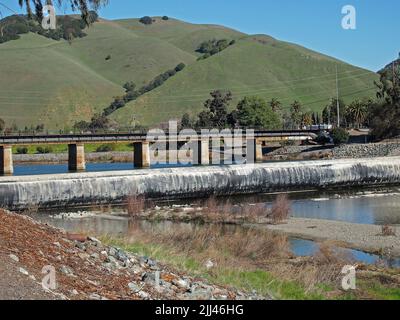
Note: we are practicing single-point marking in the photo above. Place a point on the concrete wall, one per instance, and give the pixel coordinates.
(106, 187)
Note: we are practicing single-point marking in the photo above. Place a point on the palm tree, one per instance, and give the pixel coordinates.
(357, 112)
(84, 6)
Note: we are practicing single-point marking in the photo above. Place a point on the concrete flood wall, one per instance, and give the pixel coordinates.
(112, 187)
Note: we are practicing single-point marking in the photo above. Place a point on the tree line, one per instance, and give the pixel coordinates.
(132, 94)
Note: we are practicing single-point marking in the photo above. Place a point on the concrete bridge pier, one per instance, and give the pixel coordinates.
(6, 161)
(201, 154)
(254, 151)
(141, 154)
(76, 157)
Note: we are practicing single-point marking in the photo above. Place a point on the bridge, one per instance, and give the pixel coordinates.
(141, 144)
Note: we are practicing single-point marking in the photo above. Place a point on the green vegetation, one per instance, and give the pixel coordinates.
(132, 94)
(260, 280)
(146, 20)
(340, 136)
(70, 83)
(68, 27)
(84, 6)
(211, 47)
(384, 115)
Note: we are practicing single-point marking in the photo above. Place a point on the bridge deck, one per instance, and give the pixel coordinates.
(133, 137)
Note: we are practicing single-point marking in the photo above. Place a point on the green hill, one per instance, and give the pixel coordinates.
(58, 83)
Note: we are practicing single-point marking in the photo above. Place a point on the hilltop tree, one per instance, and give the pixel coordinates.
(84, 6)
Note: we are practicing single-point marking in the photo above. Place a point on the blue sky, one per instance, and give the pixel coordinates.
(315, 24)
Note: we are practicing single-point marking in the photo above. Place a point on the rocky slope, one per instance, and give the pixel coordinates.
(87, 269)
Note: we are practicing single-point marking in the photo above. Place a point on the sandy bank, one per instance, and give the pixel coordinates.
(363, 237)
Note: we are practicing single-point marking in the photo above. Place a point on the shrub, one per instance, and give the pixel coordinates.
(105, 148)
(44, 150)
(108, 57)
(280, 209)
(22, 150)
(146, 20)
(388, 231)
(340, 136)
(135, 205)
(165, 18)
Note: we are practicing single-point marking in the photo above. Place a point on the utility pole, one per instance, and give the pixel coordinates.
(337, 99)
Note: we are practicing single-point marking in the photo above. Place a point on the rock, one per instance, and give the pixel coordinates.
(14, 257)
(143, 295)
(94, 296)
(95, 255)
(112, 251)
(104, 253)
(134, 287)
(23, 271)
(83, 256)
(57, 244)
(66, 270)
(121, 256)
(209, 264)
(32, 277)
(96, 241)
(80, 245)
(74, 292)
(150, 263)
(181, 283)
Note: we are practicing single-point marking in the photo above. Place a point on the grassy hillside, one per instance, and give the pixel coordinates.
(57, 83)
(255, 65)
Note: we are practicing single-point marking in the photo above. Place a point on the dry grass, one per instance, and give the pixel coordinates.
(388, 231)
(227, 246)
(247, 249)
(135, 205)
(280, 209)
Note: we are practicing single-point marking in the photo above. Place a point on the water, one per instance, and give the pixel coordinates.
(380, 209)
(124, 227)
(37, 169)
(379, 206)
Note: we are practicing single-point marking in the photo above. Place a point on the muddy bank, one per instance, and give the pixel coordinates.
(368, 238)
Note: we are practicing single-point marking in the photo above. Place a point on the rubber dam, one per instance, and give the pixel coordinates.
(75, 189)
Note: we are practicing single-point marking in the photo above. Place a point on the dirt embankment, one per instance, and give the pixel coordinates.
(84, 268)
